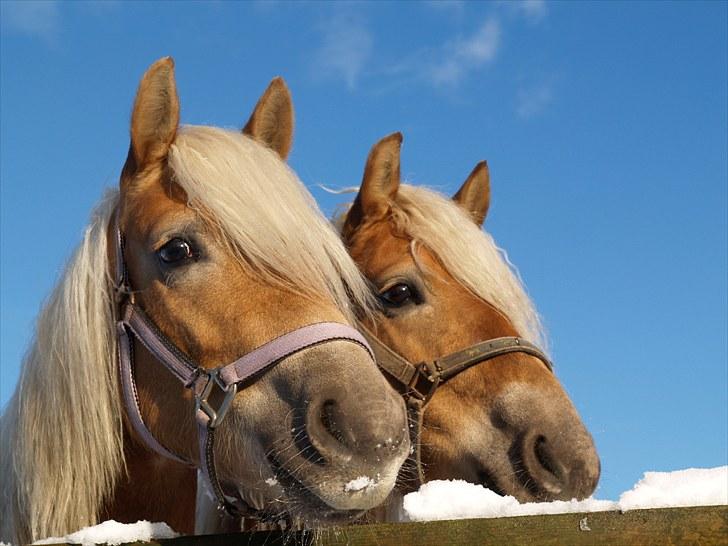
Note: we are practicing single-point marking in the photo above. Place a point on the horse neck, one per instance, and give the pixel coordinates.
(153, 489)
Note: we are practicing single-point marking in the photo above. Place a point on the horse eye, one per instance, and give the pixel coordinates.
(398, 295)
(175, 251)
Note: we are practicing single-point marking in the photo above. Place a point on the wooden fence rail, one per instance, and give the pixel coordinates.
(704, 526)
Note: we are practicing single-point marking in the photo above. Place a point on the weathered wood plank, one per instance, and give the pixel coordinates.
(704, 526)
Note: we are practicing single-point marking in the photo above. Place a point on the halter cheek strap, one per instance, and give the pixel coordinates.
(419, 382)
(133, 323)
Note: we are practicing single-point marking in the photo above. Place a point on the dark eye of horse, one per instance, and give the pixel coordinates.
(176, 251)
(398, 295)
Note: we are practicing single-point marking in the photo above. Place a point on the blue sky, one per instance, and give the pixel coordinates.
(604, 125)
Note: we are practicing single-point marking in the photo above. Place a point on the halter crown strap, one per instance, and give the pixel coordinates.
(134, 323)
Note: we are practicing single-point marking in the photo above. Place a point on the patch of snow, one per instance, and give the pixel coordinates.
(362, 482)
(691, 487)
(271, 481)
(5, 543)
(457, 499)
(113, 533)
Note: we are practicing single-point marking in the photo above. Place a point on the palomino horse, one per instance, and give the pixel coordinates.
(211, 249)
(491, 410)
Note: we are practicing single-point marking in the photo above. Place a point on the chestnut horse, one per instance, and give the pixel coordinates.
(210, 249)
(504, 422)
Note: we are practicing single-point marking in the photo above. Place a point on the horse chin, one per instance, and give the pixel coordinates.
(318, 499)
(312, 512)
(294, 504)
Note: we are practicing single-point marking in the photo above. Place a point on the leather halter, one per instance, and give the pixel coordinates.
(132, 323)
(419, 382)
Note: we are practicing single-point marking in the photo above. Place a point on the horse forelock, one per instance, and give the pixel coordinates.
(266, 214)
(62, 430)
(469, 254)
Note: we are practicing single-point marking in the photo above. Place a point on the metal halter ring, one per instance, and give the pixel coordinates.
(425, 381)
(202, 400)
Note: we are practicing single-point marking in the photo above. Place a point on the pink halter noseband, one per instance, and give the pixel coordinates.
(133, 323)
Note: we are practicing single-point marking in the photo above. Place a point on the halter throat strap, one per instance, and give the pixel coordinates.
(133, 323)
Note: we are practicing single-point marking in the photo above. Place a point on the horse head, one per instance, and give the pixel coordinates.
(444, 286)
(228, 298)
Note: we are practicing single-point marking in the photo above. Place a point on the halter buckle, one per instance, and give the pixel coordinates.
(122, 294)
(425, 381)
(202, 402)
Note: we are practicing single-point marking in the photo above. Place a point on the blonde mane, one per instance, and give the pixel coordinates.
(468, 253)
(267, 214)
(61, 449)
(61, 436)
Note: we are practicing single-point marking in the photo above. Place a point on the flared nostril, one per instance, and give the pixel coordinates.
(545, 457)
(330, 422)
(544, 473)
(329, 431)
(559, 471)
(340, 431)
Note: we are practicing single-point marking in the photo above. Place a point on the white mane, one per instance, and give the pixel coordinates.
(266, 212)
(61, 447)
(61, 436)
(468, 253)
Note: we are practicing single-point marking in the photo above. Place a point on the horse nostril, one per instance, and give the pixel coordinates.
(544, 473)
(348, 433)
(328, 419)
(558, 470)
(544, 456)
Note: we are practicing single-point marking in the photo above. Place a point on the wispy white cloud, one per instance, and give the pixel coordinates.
(482, 45)
(531, 101)
(466, 54)
(345, 49)
(40, 18)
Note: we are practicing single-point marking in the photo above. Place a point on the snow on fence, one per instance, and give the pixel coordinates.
(665, 508)
(704, 526)
(456, 499)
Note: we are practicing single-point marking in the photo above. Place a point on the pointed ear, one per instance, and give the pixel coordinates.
(380, 183)
(271, 123)
(474, 195)
(155, 117)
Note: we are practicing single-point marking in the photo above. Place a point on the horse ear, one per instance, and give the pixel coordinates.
(380, 182)
(474, 195)
(272, 120)
(155, 117)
